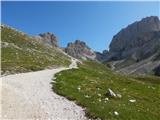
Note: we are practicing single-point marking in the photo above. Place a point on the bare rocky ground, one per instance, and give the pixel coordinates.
(30, 96)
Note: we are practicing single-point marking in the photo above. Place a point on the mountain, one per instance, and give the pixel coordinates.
(49, 38)
(157, 71)
(102, 56)
(136, 35)
(135, 48)
(22, 53)
(80, 50)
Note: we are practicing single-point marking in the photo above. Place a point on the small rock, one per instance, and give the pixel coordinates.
(53, 81)
(153, 88)
(116, 113)
(99, 95)
(79, 88)
(87, 96)
(106, 99)
(124, 89)
(99, 100)
(132, 101)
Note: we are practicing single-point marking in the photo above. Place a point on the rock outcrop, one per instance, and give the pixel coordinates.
(129, 40)
(102, 56)
(80, 50)
(136, 45)
(49, 38)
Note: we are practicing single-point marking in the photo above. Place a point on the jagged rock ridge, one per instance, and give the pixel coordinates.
(49, 38)
(79, 50)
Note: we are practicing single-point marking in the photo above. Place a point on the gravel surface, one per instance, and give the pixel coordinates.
(29, 96)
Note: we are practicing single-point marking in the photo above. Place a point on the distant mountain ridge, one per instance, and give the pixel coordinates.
(133, 50)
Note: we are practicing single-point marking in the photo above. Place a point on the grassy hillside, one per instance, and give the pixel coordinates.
(88, 86)
(21, 53)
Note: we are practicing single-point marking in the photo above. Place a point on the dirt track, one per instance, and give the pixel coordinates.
(29, 96)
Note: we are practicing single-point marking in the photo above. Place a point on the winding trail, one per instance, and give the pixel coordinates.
(29, 96)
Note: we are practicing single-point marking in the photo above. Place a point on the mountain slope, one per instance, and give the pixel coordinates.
(22, 53)
(134, 48)
(88, 86)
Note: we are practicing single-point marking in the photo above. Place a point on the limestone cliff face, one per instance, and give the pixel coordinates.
(79, 50)
(134, 48)
(49, 38)
(137, 36)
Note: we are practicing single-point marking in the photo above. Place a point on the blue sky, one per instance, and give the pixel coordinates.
(92, 22)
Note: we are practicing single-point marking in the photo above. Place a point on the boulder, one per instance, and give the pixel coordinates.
(110, 93)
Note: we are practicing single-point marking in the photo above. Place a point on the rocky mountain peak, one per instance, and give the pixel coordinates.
(136, 45)
(135, 35)
(80, 50)
(49, 38)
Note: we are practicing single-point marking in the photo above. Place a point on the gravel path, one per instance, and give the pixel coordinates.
(29, 96)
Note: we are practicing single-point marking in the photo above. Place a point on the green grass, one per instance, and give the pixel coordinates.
(94, 79)
(24, 53)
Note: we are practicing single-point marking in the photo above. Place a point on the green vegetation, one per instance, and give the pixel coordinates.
(88, 85)
(21, 53)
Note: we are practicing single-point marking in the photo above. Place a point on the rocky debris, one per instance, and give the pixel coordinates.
(135, 43)
(49, 38)
(132, 101)
(10, 45)
(142, 67)
(79, 50)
